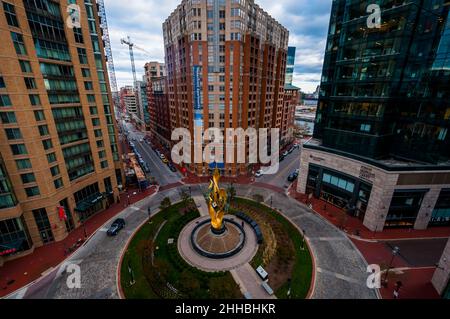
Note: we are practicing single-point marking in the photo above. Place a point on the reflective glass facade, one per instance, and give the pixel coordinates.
(385, 91)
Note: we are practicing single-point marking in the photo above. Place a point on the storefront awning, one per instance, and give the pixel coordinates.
(89, 202)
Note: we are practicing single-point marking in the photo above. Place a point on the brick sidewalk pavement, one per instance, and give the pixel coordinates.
(20, 272)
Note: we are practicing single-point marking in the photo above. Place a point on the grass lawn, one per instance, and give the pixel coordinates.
(302, 265)
(169, 276)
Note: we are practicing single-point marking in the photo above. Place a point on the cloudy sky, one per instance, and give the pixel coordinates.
(142, 20)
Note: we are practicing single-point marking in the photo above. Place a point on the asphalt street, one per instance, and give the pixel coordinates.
(159, 170)
(287, 167)
(340, 268)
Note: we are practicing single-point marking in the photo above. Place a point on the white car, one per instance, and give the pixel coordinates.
(162, 156)
(259, 173)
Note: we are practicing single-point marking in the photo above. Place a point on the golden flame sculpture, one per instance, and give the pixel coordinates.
(216, 199)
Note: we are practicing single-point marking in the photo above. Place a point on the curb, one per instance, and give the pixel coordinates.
(377, 291)
(53, 268)
(313, 257)
(122, 252)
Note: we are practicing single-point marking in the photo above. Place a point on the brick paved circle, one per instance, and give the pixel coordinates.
(194, 259)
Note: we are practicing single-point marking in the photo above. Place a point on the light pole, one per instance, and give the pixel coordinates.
(304, 239)
(271, 201)
(395, 252)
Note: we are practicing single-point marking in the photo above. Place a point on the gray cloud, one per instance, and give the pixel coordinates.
(142, 20)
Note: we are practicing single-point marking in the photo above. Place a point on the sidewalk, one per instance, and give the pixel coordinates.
(416, 281)
(354, 226)
(20, 272)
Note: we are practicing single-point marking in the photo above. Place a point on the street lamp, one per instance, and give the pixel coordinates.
(271, 201)
(304, 238)
(395, 252)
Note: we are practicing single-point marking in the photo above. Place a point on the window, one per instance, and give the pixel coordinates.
(98, 133)
(51, 158)
(58, 183)
(86, 73)
(96, 122)
(55, 170)
(102, 154)
(78, 35)
(2, 83)
(104, 164)
(19, 149)
(19, 45)
(30, 83)
(82, 56)
(39, 116)
(100, 144)
(13, 134)
(5, 100)
(93, 110)
(47, 144)
(35, 100)
(28, 178)
(43, 224)
(32, 191)
(25, 66)
(8, 117)
(88, 86)
(23, 164)
(91, 98)
(10, 14)
(43, 130)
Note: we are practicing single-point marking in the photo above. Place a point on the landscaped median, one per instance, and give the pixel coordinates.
(284, 254)
(152, 267)
(158, 269)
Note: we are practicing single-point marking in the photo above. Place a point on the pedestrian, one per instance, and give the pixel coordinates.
(397, 288)
(149, 212)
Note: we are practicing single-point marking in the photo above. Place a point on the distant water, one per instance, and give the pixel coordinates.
(309, 125)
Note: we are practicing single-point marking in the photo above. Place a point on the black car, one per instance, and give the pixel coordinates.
(293, 177)
(172, 168)
(116, 227)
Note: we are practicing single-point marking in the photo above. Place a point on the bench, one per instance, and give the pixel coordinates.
(267, 288)
(255, 226)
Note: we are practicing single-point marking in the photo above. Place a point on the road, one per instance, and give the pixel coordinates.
(163, 175)
(287, 167)
(340, 268)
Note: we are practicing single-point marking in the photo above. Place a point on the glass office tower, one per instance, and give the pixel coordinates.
(383, 114)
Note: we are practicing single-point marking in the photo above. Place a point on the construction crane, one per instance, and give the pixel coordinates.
(131, 45)
(108, 53)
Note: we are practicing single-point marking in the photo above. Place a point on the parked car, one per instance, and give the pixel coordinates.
(291, 150)
(293, 176)
(285, 153)
(282, 157)
(116, 227)
(172, 168)
(165, 160)
(259, 173)
(296, 145)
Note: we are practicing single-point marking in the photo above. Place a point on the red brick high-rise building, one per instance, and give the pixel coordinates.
(226, 63)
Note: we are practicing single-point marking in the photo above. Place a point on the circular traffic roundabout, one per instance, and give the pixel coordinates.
(177, 254)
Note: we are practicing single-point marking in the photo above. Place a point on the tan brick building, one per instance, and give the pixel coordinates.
(58, 139)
